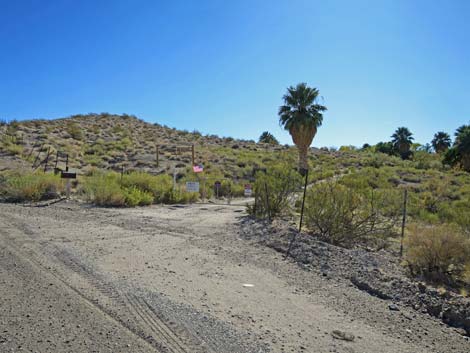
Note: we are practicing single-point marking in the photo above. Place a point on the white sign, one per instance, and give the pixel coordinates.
(192, 186)
(248, 190)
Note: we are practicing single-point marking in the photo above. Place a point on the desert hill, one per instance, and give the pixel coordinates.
(114, 142)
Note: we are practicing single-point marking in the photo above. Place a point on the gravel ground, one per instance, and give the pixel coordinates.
(183, 279)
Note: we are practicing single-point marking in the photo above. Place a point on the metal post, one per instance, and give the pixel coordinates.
(403, 224)
(192, 153)
(56, 160)
(47, 159)
(303, 201)
(67, 189)
(67, 162)
(301, 217)
(158, 157)
(268, 208)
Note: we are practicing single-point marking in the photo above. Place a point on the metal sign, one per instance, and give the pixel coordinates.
(68, 175)
(248, 190)
(217, 184)
(192, 186)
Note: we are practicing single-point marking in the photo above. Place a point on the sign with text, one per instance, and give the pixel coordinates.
(192, 186)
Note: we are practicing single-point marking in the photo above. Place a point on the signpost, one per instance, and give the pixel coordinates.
(248, 190)
(192, 186)
(217, 186)
(68, 175)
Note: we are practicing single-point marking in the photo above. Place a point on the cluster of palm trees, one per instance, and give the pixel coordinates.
(459, 153)
(302, 115)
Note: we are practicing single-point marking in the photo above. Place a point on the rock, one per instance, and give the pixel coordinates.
(342, 335)
(393, 307)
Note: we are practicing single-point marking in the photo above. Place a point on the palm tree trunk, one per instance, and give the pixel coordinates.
(302, 137)
(303, 157)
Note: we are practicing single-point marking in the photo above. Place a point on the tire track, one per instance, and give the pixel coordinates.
(145, 323)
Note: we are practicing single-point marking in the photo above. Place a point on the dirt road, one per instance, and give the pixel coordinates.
(180, 279)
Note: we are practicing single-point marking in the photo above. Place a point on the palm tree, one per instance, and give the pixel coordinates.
(462, 144)
(441, 142)
(301, 115)
(402, 140)
(267, 137)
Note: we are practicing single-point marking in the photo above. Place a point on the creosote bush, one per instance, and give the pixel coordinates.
(346, 217)
(133, 189)
(30, 187)
(440, 253)
(274, 192)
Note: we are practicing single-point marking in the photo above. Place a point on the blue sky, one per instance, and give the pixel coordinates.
(223, 66)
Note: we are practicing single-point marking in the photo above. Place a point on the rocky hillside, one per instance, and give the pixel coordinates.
(114, 142)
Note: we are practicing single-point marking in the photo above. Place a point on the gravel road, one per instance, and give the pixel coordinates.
(75, 278)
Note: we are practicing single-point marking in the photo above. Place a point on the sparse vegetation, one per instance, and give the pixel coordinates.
(439, 253)
(348, 217)
(134, 189)
(30, 187)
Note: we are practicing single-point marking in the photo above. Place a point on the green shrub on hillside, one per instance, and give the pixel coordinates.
(74, 131)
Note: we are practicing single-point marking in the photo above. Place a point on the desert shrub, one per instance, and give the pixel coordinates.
(133, 189)
(274, 192)
(12, 148)
(343, 216)
(30, 187)
(439, 253)
(136, 197)
(74, 131)
(103, 189)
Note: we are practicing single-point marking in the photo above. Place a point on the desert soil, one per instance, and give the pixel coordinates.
(75, 278)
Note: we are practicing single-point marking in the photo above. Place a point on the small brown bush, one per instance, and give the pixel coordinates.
(439, 253)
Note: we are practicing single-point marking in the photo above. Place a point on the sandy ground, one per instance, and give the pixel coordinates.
(74, 278)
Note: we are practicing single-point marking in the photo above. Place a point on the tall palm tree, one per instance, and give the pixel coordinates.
(462, 144)
(441, 142)
(301, 115)
(402, 140)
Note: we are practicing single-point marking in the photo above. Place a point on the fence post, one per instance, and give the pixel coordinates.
(158, 157)
(268, 208)
(301, 216)
(403, 223)
(303, 201)
(192, 153)
(47, 159)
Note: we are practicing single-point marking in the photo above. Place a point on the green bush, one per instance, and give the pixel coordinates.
(104, 190)
(30, 187)
(343, 216)
(135, 197)
(74, 131)
(274, 192)
(133, 189)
